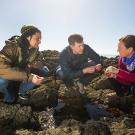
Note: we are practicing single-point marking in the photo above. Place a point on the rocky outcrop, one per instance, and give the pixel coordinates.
(41, 97)
(22, 118)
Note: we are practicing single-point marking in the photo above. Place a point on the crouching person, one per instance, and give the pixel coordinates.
(78, 61)
(15, 64)
(123, 77)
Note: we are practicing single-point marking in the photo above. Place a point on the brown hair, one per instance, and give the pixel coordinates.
(75, 38)
(29, 30)
(129, 41)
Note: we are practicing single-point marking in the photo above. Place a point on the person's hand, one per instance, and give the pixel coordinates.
(37, 79)
(88, 70)
(98, 67)
(111, 75)
(112, 70)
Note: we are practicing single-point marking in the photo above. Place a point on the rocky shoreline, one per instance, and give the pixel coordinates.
(73, 118)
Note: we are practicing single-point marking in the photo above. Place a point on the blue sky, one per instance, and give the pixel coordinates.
(101, 22)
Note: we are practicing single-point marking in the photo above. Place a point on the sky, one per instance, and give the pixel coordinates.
(100, 22)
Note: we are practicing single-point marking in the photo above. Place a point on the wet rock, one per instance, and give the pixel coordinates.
(25, 132)
(6, 126)
(71, 119)
(8, 111)
(23, 115)
(97, 111)
(115, 112)
(99, 96)
(74, 102)
(116, 129)
(48, 58)
(123, 126)
(62, 131)
(131, 131)
(68, 127)
(109, 61)
(101, 82)
(59, 106)
(125, 103)
(96, 128)
(128, 123)
(71, 123)
(17, 114)
(41, 97)
(46, 119)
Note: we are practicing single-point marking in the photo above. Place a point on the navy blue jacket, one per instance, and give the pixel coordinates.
(72, 64)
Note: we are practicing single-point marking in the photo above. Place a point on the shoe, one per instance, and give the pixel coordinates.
(80, 87)
(23, 97)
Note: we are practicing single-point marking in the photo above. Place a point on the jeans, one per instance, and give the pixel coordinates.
(10, 92)
(26, 86)
(9, 88)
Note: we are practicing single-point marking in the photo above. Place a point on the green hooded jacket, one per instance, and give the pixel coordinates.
(12, 64)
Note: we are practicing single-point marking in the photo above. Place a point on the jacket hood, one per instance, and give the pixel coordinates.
(12, 40)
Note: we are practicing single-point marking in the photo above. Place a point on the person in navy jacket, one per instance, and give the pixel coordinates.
(78, 60)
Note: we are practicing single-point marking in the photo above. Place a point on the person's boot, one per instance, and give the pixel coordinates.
(23, 96)
(132, 90)
(80, 87)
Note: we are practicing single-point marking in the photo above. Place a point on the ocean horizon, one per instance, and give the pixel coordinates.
(108, 55)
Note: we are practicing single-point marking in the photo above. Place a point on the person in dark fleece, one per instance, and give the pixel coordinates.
(123, 77)
(78, 61)
(16, 58)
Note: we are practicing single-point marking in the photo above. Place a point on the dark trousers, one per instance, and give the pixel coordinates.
(85, 79)
(122, 89)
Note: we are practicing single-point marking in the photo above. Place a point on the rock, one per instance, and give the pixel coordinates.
(22, 118)
(97, 111)
(25, 132)
(96, 128)
(101, 82)
(71, 123)
(68, 127)
(125, 103)
(17, 114)
(128, 123)
(42, 97)
(131, 131)
(48, 58)
(6, 126)
(116, 129)
(123, 126)
(109, 61)
(74, 102)
(62, 131)
(23, 115)
(99, 96)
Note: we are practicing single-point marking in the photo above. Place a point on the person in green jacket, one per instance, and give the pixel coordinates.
(16, 59)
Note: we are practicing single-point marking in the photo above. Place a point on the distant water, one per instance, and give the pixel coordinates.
(109, 55)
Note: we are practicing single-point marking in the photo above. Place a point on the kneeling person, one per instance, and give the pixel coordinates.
(78, 61)
(15, 63)
(123, 77)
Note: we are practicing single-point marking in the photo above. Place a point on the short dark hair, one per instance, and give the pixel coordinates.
(129, 41)
(75, 38)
